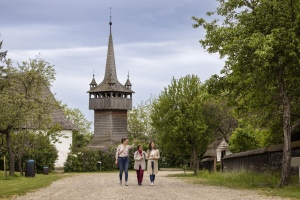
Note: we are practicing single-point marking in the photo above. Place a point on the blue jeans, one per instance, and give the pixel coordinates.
(152, 176)
(123, 163)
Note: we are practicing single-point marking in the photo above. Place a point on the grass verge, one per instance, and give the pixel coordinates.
(20, 185)
(266, 184)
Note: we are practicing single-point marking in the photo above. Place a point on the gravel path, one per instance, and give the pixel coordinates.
(106, 186)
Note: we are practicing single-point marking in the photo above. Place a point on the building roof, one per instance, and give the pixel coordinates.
(211, 149)
(58, 117)
(223, 146)
(110, 81)
(93, 82)
(272, 148)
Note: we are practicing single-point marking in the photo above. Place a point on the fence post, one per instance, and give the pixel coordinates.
(215, 164)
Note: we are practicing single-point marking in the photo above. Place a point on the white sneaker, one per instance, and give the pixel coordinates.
(152, 183)
(126, 184)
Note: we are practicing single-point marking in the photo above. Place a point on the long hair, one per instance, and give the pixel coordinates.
(122, 140)
(150, 147)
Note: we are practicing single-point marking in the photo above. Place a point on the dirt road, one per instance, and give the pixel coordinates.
(106, 186)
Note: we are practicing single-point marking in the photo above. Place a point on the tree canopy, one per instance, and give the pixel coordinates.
(179, 120)
(260, 41)
(23, 100)
(139, 122)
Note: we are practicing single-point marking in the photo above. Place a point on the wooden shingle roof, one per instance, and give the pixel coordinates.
(272, 148)
(110, 82)
(58, 117)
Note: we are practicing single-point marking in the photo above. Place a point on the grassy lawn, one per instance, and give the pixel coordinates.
(20, 185)
(266, 184)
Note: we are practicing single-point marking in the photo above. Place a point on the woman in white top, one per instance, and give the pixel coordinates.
(122, 159)
(152, 165)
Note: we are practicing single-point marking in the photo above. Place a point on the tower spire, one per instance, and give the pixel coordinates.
(110, 23)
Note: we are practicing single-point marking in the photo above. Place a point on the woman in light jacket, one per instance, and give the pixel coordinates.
(139, 163)
(152, 165)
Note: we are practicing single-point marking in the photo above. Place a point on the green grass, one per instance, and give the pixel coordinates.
(20, 185)
(263, 183)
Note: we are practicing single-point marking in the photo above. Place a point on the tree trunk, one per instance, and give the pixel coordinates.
(286, 157)
(20, 166)
(10, 154)
(195, 163)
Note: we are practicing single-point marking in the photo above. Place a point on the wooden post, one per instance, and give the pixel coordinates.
(215, 164)
(5, 172)
(299, 173)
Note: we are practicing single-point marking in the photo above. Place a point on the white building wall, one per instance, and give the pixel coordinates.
(63, 148)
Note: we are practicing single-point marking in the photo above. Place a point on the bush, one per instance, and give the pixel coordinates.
(87, 160)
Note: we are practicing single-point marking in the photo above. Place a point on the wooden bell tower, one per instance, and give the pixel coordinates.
(110, 101)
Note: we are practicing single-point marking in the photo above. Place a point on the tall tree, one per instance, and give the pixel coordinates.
(139, 122)
(22, 99)
(178, 118)
(260, 40)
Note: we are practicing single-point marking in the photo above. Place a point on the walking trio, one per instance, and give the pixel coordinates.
(122, 160)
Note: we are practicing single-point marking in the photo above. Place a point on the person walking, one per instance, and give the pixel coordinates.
(152, 164)
(122, 159)
(139, 163)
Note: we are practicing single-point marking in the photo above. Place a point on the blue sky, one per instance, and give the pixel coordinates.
(153, 40)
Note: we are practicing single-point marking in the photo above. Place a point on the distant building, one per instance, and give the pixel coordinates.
(110, 101)
(214, 154)
(65, 141)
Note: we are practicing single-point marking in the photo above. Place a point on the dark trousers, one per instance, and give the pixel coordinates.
(139, 175)
(123, 163)
(152, 176)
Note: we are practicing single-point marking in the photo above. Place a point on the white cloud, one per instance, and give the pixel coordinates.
(153, 40)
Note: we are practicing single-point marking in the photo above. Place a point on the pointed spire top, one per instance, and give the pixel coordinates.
(128, 84)
(93, 83)
(110, 23)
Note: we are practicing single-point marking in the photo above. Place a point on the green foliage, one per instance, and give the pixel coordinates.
(263, 183)
(86, 160)
(23, 100)
(80, 140)
(260, 41)
(83, 126)
(139, 122)
(83, 133)
(178, 118)
(32, 145)
(243, 139)
(3, 53)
